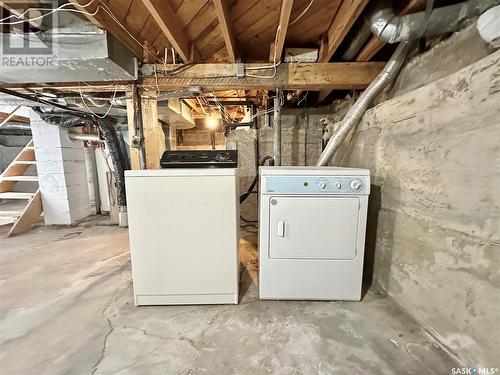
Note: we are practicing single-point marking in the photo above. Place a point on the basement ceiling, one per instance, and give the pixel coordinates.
(253, 24)
(222, 31)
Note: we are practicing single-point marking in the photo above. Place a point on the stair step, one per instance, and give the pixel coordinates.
(12, 195)
(29, 148)
(25, 162)
(10, 214)
(20, 178)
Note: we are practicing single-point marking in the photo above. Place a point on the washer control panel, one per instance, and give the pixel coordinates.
(316, 185)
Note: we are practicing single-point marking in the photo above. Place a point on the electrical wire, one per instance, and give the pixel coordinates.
(201, 105)
(301, 14)
(40, 17)
(274, 66)
(93, 113)
(46, 14)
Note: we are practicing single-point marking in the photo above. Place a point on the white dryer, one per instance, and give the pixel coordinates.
(312, 232)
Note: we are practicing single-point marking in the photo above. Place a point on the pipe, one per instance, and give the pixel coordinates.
(277, 129)
(120, 164)
(14, 128)
(353, 117)
(403, 29)
(392, 29)
(83, 137)
(139, 128)
(114, 141)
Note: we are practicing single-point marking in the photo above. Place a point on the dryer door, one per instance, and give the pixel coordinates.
(312, 227)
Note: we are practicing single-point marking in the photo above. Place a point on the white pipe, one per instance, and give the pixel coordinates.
(392, 29)
(83, 137)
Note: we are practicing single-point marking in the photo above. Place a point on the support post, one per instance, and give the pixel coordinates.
(277, 128)
(152, 132)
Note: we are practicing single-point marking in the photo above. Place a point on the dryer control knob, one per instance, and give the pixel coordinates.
(322, 184)
(355, 185)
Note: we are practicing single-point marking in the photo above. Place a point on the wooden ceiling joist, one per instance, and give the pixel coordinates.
(222, 10)
(302, 76)
(341, 24)
(169, 23)
(285, 12)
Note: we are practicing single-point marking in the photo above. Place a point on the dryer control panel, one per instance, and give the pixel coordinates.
(316, 185)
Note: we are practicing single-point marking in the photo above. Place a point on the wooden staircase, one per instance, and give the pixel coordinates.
(23, 219)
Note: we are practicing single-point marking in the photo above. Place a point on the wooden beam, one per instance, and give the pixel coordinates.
(193, 105)
(285, 11)
(170, 25)
(153, 133)
(370, 49)
(346, 15)
(104, 21)
(302, 76)
(222, 10)
(341, 24)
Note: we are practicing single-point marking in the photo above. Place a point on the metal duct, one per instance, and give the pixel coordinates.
(74, 57)
(176, 114)
(74, 136)
(13, 128)
(353, 117)
(392, 29)
(405, 29)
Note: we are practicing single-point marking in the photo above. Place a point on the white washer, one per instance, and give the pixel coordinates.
(183, 227)
(312, 232)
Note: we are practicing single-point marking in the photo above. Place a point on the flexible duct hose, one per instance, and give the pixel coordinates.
(353, 117)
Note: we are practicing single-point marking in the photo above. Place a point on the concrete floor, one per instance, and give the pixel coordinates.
(67, 308)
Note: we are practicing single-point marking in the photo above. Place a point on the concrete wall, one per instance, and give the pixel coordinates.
(433, 237)
(434, 227)
(300, 145)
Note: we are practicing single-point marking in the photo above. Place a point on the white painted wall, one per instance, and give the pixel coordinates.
(61, 172)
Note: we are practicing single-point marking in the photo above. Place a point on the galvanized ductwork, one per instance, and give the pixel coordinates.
(404, 29)
(353, 117)
(392, 29)
(75, 56)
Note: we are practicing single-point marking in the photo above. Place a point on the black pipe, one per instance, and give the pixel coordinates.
(119, 159)
(113, 139)
(15, 129)
(245, 195)
(71, 117)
